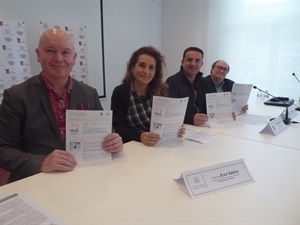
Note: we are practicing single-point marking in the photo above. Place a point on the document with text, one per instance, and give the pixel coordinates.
(252, 119)
(240, 95)
(219, 109)
(167, 116)
(16, 210)
(85, 131)
(198, 136)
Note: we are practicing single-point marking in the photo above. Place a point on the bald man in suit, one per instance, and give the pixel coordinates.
(32, 114)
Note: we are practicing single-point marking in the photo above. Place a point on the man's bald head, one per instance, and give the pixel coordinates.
(54, 34)
(56, 54)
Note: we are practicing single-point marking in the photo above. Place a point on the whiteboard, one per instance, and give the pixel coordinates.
(65, 12)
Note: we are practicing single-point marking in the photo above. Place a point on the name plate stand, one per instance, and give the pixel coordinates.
(274, 126)
(217, 178)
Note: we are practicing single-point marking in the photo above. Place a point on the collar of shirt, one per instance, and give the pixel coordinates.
(218, 86)
(50, 87)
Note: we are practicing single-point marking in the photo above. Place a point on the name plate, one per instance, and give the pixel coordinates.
(213, 179)
(274, 126)
(292, 113)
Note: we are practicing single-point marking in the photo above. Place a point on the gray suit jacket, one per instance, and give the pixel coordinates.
(28, 126)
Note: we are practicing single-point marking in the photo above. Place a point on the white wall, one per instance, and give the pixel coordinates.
(171, 26)
(60, 13)
(128, 25)
(259, 39)
(184, 24)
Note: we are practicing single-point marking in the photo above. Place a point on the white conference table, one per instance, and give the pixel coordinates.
(138, 186)
(289, 137)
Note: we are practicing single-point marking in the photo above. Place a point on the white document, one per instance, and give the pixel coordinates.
(199, 136)
(15, 210)
(213, 179)
(167, 116)
(251, 119)
(85, 131)
(219, 109)
(239, 96)
(274, 126)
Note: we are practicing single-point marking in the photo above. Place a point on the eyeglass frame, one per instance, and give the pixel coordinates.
(215, 64)
(61, 104)
(226, 70)
(61, 108)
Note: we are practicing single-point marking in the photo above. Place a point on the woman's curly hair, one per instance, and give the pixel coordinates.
(156, 87)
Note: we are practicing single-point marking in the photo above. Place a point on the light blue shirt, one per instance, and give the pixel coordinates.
(219, 86)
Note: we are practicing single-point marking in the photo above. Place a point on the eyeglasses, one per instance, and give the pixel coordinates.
(222, 68)
(61, 104)
(61, 108)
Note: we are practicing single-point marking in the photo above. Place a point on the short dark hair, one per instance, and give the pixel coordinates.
(193, 49)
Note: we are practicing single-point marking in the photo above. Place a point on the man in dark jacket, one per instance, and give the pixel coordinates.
(217, 80)
(188, 82)
(32, 114)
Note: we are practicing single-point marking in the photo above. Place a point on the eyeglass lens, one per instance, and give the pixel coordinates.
(222, 68)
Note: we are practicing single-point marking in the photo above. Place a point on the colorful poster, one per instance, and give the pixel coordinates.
(14, 57)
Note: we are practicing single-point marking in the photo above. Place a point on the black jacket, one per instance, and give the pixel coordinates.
(227, 86)
(120, 101)
(180, 86)
(28, 126)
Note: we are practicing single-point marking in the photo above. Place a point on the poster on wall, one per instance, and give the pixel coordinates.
(14, 58)
(79, 35)
(87, 13)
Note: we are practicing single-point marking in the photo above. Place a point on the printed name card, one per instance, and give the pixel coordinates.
(292, 113)
(274, 126)
(217, 178)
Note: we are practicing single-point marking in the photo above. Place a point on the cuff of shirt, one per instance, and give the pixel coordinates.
(42, 165)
